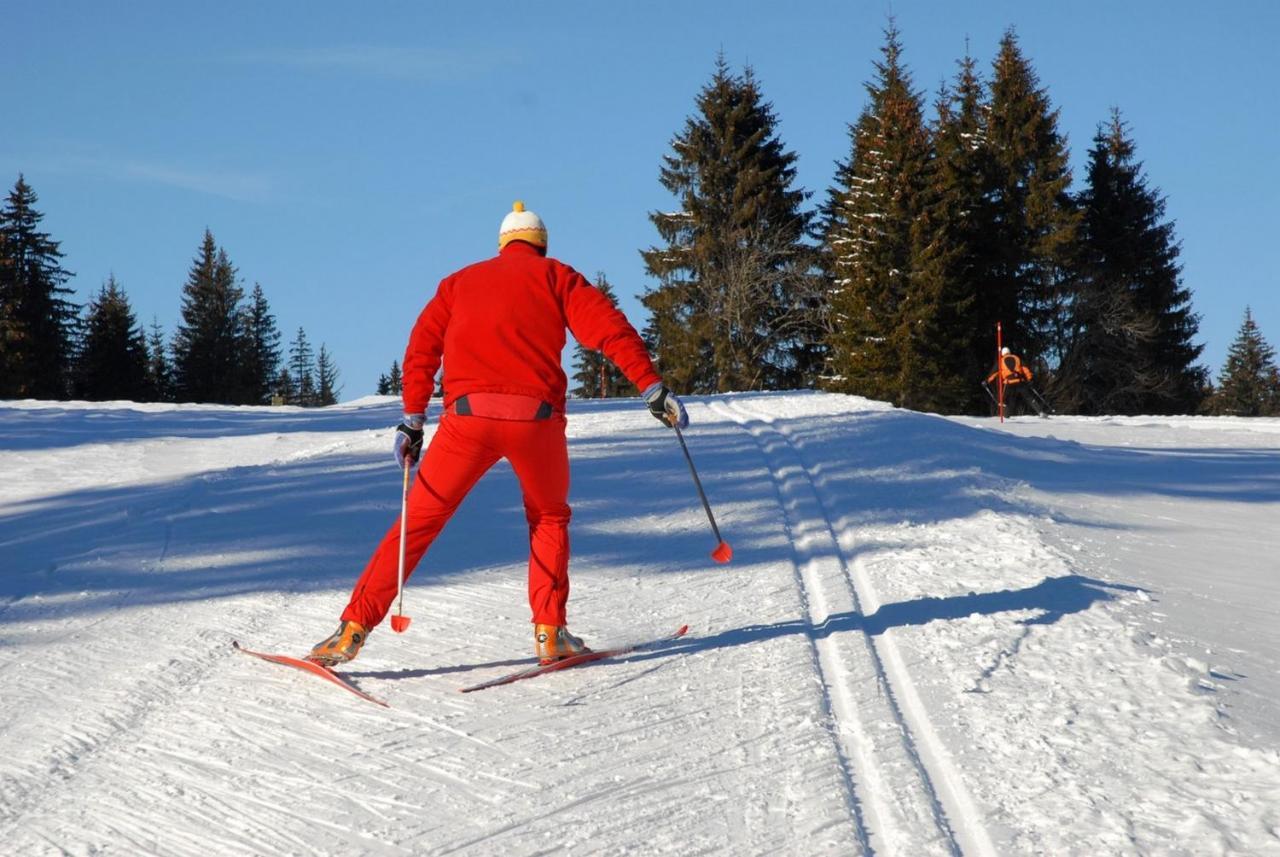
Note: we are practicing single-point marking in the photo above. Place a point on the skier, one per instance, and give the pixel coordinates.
(1017, 382)
(499, 326)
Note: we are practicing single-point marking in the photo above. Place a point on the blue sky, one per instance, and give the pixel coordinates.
(348, 156)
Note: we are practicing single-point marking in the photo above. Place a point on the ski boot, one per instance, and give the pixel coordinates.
(554, 643)
(341, 647)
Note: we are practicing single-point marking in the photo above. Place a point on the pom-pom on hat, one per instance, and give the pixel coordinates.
(521, 225)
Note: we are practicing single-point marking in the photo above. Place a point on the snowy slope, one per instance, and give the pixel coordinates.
(937, 636)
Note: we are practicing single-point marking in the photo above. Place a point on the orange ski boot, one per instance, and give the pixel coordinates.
(554, 643)
(341, 647)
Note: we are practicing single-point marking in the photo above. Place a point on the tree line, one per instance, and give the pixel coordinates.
(226, 348)
(933, 229)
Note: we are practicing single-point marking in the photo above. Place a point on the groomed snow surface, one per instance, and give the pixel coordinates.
(937, 636)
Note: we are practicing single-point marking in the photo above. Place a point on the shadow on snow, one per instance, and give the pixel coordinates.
(310, 525)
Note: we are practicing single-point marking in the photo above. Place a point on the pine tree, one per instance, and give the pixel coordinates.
(1036, 222)
(38, 325)
(302, 370)
(1248, 385)
(159, 373)
(285, 388)
(1132, 349)
(875, 311)
(384, 385)
(208, 344)
(327, 388)
(394, 379)
(260, 361)
(112, 360)
(10, 336)
(734, 306)
(953, 252)
(598, 378)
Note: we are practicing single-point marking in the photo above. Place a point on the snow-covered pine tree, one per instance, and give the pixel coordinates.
(735, 303)
(597, 378)
(38, 325)
(953, 252)
(1248, 385)
(208, 343)
(112, 359)
(1036, 221)
(1132, 325)
(879, 193)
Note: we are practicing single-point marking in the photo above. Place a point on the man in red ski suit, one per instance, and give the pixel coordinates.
(499, 326)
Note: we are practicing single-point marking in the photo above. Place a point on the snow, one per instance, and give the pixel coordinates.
(937, 636)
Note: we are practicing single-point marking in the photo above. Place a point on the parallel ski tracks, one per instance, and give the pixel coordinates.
(904, 793)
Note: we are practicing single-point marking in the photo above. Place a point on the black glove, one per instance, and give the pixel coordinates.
(665, 407)
(409, 439)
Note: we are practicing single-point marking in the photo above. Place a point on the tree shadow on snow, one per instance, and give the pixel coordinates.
(310, 525)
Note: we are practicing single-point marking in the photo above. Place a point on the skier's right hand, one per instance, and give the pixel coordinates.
(409, 439)
(665, 407)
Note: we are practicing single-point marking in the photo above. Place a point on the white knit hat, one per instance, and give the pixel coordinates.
(521, 225)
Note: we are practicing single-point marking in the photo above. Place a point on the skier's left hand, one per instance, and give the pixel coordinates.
(409, 439)
(665, 407)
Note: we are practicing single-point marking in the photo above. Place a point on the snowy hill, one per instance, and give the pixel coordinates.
(937, 636)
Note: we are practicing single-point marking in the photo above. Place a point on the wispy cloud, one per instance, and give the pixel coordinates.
(238, 185)
(386, 61)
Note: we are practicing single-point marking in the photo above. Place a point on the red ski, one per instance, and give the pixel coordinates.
(314, 669)
(576, 660)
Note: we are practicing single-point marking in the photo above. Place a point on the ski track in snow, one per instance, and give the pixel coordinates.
(876, 720)
(909, 655)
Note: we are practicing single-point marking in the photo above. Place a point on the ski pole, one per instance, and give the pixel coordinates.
(722, 553)
(399, 621)
(1043, 401)
(987, 390)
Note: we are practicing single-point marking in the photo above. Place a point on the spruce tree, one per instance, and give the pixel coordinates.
(302, 370)
(384, 386)
(208, 344)
(112, 360)
(1131, 349)
(10, 332)
(285, 388)
(394, 379)
(734, 306)
(598, 378)
(1248, 385)
(1035, 219)
(953, 253)
(875, 311)
(327, 388)
(159, 372)
(260, 361)
(38, 325)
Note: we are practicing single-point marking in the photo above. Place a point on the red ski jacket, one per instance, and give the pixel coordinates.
(499, 326)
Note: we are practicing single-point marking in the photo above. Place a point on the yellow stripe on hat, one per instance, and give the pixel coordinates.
(533, 236)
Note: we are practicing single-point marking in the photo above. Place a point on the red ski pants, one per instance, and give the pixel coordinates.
(461, 451)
